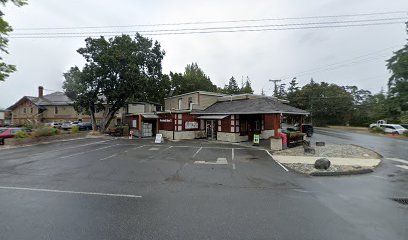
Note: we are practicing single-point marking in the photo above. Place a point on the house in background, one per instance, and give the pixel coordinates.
(5, 117)
(54, 107)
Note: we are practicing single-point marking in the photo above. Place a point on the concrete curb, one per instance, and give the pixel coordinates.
(348, 173)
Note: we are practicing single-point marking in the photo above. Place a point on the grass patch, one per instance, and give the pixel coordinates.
(75, 129)
(46, 131)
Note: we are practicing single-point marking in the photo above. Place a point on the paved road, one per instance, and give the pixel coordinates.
(122, 189)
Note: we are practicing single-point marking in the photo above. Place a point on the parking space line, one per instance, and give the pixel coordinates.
(70, 192)
(195, 154)
(138, 147)
(111, 156)
(93, 150)
(280, 164)
(232, 158)
(402, 166)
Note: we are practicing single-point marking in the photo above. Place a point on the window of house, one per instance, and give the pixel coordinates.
(32, 110)
(190, 102)
(56, 110)
(180, 101)
(24, 110)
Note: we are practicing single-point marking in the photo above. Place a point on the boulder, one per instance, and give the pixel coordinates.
(322, 163)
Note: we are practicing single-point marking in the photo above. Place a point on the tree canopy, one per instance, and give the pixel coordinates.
(5, 28)
(116, 70)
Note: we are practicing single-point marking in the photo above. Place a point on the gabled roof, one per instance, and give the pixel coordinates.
(53, 99)
(259, 105)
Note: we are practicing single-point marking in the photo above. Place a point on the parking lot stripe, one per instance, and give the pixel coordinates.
(111, 156)
(195, 154)
(398, 160)
(402, 166)
(232, 158)
(93, 150)
(70, 192)
(138, 147)
(280, 164)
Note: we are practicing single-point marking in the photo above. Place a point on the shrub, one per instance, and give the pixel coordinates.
(376, 130)
(21, 134)
(46, 131)
(75, 129)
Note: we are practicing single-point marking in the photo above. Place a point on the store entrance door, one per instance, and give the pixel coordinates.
(211, 129)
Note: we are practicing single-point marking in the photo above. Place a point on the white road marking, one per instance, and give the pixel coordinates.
(138, 147)
(220, 161)
(93, 150)
(398, 160)
(379, 177)
(70, 192)
(195, 154)
(154, 149)
(111, 156)
(232, 158)
(280, 164)
(402, 166)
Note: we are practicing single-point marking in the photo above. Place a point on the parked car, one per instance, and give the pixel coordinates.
(404, 125)
(69, 125)
(10, 132)
(83, 126)
(378, 123)
(54, 124)
(393, 128)
(306, 128)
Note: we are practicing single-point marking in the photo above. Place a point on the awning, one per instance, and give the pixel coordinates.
(150, 116)
(213, 117)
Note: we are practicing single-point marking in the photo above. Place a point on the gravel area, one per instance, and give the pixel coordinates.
(332, 150)
(309, 168)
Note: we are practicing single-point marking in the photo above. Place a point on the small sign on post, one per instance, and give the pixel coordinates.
(256, 140)
(159, 138)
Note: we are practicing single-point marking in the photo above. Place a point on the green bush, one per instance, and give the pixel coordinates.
(75, 129)
(46, 131)
(21, 134)
(376, 130)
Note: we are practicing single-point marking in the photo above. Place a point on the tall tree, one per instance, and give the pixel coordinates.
(5, 28)
(232, 87)
(398, 82)
(193, 79)
(121, 68)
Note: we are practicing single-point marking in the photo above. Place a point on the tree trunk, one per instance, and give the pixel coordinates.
(93, 119)
(107, 119)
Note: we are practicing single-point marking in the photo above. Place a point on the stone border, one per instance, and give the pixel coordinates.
(342, 173)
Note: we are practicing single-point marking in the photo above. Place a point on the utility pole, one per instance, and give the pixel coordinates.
(275, 92)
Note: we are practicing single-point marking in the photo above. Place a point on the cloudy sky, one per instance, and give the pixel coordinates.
(346, 56)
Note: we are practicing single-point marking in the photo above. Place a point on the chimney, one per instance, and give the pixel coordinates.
(40, 91)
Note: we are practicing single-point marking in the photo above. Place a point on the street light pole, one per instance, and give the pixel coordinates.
(275, 81)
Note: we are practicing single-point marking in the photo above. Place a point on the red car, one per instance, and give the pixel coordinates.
(8, 132)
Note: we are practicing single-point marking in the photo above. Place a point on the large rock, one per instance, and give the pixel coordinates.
(322, 163)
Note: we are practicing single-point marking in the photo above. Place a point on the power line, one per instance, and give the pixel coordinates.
(221, 31)
(379, 20)
(217, 22)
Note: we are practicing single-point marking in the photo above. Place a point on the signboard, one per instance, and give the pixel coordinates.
(256, 139)
(165, 120)
(159, 138)
(134, 123)
(191, 125)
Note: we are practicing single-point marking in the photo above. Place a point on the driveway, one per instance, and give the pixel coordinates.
(134, 189)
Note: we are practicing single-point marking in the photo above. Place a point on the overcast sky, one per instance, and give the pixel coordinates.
(260, 55)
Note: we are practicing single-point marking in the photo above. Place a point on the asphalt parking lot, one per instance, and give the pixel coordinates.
(105, 188)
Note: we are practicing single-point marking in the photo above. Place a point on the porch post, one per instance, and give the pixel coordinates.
(276, 121)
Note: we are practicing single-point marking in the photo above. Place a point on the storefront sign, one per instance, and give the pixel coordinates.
(256, 139)
(191, 125)
(165, 120)
(134, 123)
